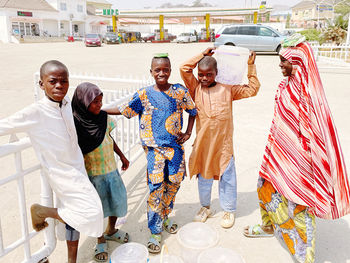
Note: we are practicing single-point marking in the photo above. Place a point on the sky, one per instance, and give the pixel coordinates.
(140, 4)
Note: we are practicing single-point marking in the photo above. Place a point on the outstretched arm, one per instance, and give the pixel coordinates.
(22, 121)
(129, 109)
(113, 111)
(245, 91)
(183, 137)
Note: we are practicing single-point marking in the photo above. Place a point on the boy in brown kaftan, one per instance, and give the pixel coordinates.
(212, 154)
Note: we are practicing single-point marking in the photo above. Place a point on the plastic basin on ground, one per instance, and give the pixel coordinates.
(195, 238)
(166, 259)
(220, 255)
(130, 253)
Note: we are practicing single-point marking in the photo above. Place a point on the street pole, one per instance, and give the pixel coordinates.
(348, 34)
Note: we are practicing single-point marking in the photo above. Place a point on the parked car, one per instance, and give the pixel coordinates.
(186, 38)
(254, 37)
(152, 37)
(149, 37)
(111, 38)
(171, 37)
(92, 40)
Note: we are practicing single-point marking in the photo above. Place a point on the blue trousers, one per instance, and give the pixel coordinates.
(227, 189)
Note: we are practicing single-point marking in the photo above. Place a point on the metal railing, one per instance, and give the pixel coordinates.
(330, 53)
(126, 136)
(16, 147)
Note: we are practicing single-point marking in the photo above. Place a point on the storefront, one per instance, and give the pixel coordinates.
(25, 25)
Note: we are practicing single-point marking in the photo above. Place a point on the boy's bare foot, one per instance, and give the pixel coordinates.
(38, 220)
(101, 254)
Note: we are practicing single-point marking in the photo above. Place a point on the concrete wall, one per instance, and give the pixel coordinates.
(4, 32)
(51, 26)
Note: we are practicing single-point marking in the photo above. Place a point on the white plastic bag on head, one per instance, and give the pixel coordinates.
(232, 64)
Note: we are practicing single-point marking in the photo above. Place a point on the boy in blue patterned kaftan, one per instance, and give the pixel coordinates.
(160, 109)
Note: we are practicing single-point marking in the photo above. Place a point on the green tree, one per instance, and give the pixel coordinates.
(343, 8)
(334, 33)
(288, 20)
(268, 17)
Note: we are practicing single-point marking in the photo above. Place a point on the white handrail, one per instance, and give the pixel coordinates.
(16, 147)
(332, 53)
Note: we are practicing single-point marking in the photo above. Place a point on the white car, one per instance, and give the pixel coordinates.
(186, 38)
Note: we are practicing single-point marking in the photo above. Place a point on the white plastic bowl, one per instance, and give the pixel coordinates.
(232, 64)
(167, 259)
(130, 253)
(194, 238)
(220, 255)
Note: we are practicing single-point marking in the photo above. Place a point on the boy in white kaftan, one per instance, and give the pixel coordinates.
(52, 132)
(50, 126)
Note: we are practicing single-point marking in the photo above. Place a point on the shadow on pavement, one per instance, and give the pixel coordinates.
(136, 225)
(332, 241)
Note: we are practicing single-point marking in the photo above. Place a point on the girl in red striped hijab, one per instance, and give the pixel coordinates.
(303, 173)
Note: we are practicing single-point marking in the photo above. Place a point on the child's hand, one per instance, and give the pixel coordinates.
(209, 51)
(182, 137)
(251, 59)
(125, 163)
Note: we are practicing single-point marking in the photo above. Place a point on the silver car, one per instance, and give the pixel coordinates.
(254, 37)
(186, 38)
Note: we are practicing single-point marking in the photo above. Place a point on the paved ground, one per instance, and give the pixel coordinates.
(252, 119)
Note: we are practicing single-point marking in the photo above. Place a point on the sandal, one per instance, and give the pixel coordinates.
(153, 244)
(256, 231)
(99, 249)
(119, 236)
(169, 226)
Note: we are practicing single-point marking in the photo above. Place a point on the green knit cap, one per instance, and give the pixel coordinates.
(161, 55)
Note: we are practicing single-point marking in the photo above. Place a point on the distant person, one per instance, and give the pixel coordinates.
(212, 153)
(303, 173)
(160, 108)
(50, 126)
(196, 34)
(94, 129)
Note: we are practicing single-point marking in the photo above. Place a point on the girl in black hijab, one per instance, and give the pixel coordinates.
(91, 127)
(98, 146)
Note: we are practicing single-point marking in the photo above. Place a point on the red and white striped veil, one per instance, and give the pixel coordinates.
(303, 158)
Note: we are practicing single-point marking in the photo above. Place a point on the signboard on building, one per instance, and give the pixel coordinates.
(23, 13)
(107, 12)
(323, 8)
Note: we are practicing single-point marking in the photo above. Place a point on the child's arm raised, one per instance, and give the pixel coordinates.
(183, 137)
(125, 161)
(245, 91)
(186, 71)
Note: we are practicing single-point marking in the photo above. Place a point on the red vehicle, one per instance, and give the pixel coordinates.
(152, 36)
(149, 37)
(171, 37)
(92, 40)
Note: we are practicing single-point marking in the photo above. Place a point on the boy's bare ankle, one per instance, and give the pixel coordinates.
(111, 231)
(101, 240)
